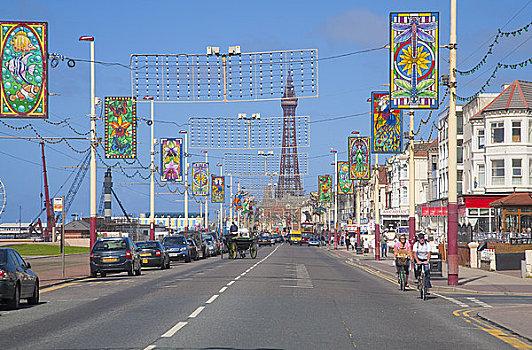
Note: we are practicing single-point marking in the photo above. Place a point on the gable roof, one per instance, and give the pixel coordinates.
(515, 199)
(518, 95)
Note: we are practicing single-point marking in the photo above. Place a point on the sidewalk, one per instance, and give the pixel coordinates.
(515, 318)
(49, 268)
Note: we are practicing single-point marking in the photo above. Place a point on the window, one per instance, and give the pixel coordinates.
(530, 172)
(516, 171)
(404, 198)
(497, 132)
(497, 172)
(480, 139)
(459, 176)
(405, 171)
(459, 154)
(516, 131)
(459, 124)
(481, 176)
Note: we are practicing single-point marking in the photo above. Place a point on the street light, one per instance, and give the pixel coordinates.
(186, 177)
(357, 204)
(221, 204)
(152, 170)
(335, 196)
(207, 197)
(93, 212)
(243, 116)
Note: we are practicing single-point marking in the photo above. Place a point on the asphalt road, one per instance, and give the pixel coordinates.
(290, 297)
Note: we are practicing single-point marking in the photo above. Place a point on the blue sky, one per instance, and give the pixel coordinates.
(122, 28)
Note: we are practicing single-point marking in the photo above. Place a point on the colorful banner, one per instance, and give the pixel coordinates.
(237, 202)
(414, 60)
(324, 188)
(171, 160)
(200, 179)
(218, 189)
(24, 73)
(359, 158)
(387, 125)
(120, 128)
(345, 184)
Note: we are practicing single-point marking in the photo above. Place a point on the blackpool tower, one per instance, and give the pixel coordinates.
(289, 180)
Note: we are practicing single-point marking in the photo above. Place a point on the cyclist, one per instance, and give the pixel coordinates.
(401, 255)
(421, 255)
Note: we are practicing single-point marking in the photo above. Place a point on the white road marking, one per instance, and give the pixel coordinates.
(222, 290)
(458, 302)
(230, 283)
(213, 298)
(305, 287)
(174, 329)
(150, 347)
(237, 278)
(479, 302)
(196, 312)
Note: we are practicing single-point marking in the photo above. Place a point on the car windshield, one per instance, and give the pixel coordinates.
(171, 241)
(3, 257)
(148, 245)
(110, 244)
(190, 242)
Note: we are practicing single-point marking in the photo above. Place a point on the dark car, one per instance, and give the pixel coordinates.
(117, 254)
(277, 238)
(215, 242)
(177, 247)
(152, 253)
(194, 254)
(17, 281)
(265, 240)
(201, 245)
(209, 243)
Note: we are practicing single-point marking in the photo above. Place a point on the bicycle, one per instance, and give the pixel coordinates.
(403, 265)
(422, 282)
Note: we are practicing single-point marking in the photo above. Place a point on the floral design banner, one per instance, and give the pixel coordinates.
(414, 60)
(120, 127)
(171, 160)
(387, 125)
(218, 189)
(359, 158)
(24, 73)
(200, 179)
(324, 188)
(345, 184)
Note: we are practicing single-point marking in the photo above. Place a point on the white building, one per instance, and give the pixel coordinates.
(443, 154)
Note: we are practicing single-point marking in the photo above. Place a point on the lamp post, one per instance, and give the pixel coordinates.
(186, 177)
(335, 197)
(221, 204)
(152, 171)
(231, 200)
(377, 209)
(207, 197)
(411, 183)
(357, 194)
(238, 212)
(93, 212)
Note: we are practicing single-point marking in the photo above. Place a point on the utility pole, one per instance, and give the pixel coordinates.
(452, 239)
(152, 171)
(358, 212)
(186, 178)
(93, 212)
(221, 204)
(377, 219)
(335, 198)
(207, 197)
(411, 183)
(231, 200)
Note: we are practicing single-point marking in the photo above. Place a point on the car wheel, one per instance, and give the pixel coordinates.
(14, 303)
(93, 274)
(34, 299)
(131, 271)
(163, 265)
(168, 264)
(103, 274)
(138, 272)
(188, 259)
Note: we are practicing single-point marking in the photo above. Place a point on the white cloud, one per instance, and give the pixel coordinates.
(361, 27)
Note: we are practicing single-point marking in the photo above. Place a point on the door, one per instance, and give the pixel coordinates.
(24, 278)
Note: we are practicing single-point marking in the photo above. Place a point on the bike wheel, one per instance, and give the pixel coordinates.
(403, 280)
(253, 250)
(232, 250)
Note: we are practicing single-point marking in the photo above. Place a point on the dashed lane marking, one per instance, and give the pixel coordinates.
(230, 283)
(196, 312)
(453, 300)
(174, 329)
(213, 298)
(150, 347)
(479, 302)
(222, 290)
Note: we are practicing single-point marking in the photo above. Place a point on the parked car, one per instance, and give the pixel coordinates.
(277, 238)
(177, 247)
(117, 254)
(152, 253)
(216, 242)
(209, 243)
(194, 254)
(200, 244)
(17, 281)
(314, 241)
(265, 240)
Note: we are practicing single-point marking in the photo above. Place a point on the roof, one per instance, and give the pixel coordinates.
(515, 199)
(421, 148)
(518, 95)
(77, 225)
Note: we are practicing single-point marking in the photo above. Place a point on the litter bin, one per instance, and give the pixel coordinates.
(436, 265)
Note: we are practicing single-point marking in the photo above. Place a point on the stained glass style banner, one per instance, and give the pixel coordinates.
(359, 158)
(200, 179)
(24, 73)
(218, 189)
(171, 160)
(387, 125)
(324, 188)
(414, 51)
(345, 184)
(120, 128)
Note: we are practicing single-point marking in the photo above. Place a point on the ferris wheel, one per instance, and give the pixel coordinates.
(3, 197)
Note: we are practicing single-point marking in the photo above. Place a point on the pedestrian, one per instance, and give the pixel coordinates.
(342, 241)
(352, 241)
(233, 229)
(384, 245)
(366, 246)
(347, 242)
